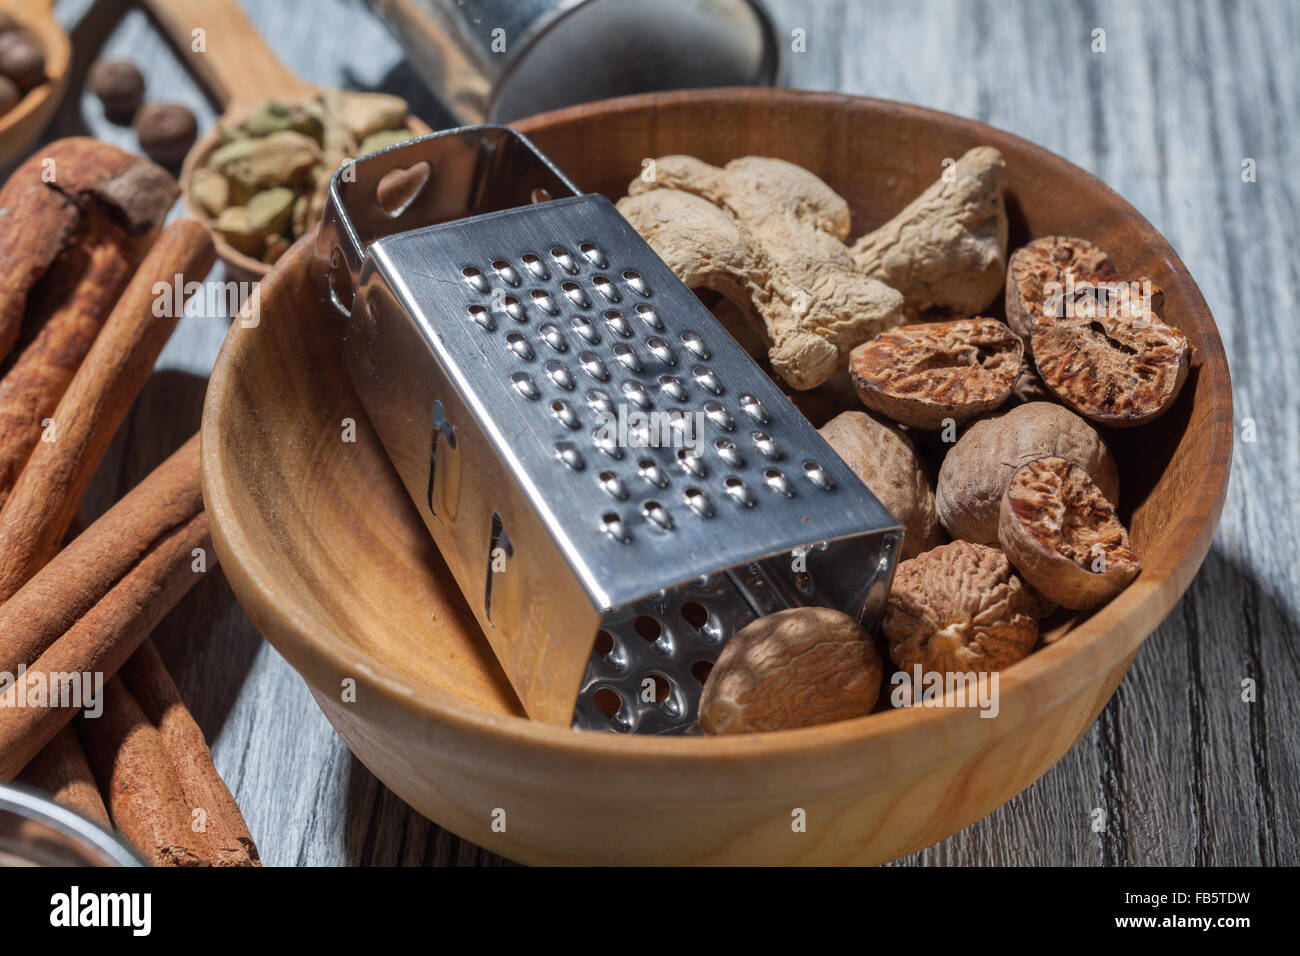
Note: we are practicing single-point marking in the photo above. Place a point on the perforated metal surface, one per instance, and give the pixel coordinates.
(552, 393)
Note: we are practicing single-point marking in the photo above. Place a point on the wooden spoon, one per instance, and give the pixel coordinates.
(20, 127)
(243, 73)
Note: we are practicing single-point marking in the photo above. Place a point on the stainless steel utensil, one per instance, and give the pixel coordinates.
(35, 831)
(499, 60)
(615, 485)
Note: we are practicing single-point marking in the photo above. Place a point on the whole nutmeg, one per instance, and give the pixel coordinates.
(977, 470)
(21, 59)
(9, 95)
(166, 131)
(960, 608)
(887, 462)
(119, 86)
(1062, 534)
(795, 668)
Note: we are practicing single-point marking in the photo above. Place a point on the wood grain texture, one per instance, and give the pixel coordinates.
(1184, 770)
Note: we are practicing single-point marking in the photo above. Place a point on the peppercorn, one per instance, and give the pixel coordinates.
(166, 131)
(119, 86)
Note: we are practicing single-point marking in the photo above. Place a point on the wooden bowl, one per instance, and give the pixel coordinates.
(21, 126)
(328, 557)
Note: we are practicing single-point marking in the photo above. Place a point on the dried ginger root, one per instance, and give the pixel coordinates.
(768, 235)
(948, 247)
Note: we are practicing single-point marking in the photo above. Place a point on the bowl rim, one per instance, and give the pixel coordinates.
(1109, 637)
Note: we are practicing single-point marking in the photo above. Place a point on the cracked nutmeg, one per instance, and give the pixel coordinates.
(960, 608)
(1062, 535)
(926, 375)
(1112, 360)
(795, 668)
(1040, 272)
(977, 470)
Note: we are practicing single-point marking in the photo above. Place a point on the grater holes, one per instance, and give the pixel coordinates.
(514, 308)
(660, 689)
(648, 469)
(539, 195)
(778, 482)
(695, 614)
(649, 316)
(575, 294)
(605, 286)
(636, 281)
(698, 502)
(817, 475)
(604, 645)
(519, 345)
(649, 628)
(564, 259)
(612, 485)
(592, 253)
(608, 701)
(482, 317)
(738, 491)
(627, 357)
(728, 452)
(657, 515)
(533, 263)
(564, 412)
(701, 669)
(474, 276)
(507, 272)
(660, 350)
(542, 299)
(582, 325)
(707, 379)
(553, 337)
(694, 344)
(766, 444)
(614, 319)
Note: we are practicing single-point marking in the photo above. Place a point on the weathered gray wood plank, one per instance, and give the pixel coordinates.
(1185, 770)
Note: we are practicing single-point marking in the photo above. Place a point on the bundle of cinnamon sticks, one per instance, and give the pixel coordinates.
(88, 710)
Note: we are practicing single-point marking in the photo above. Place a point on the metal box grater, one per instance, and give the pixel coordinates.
(615, 485)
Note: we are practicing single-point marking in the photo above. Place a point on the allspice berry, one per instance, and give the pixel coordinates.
(119, 86)
(166, 131)
(9, 95)
(21, 59)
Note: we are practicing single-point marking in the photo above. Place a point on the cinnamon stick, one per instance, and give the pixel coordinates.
(61, 771)
(69, 306)
(145, 798)
(49, 489)
(96, 560)
(229, 842)
(45, 201)
(96, 646)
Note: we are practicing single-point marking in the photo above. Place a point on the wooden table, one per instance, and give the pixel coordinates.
(1179, 769)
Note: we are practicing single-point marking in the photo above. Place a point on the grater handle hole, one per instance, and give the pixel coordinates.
(399, 188)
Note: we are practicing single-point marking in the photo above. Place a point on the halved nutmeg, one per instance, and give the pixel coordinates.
(1047, 271)
(1062, 534)
(1111, 359)
(923, 375)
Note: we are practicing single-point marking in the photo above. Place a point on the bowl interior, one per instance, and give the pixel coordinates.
(331, 561)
